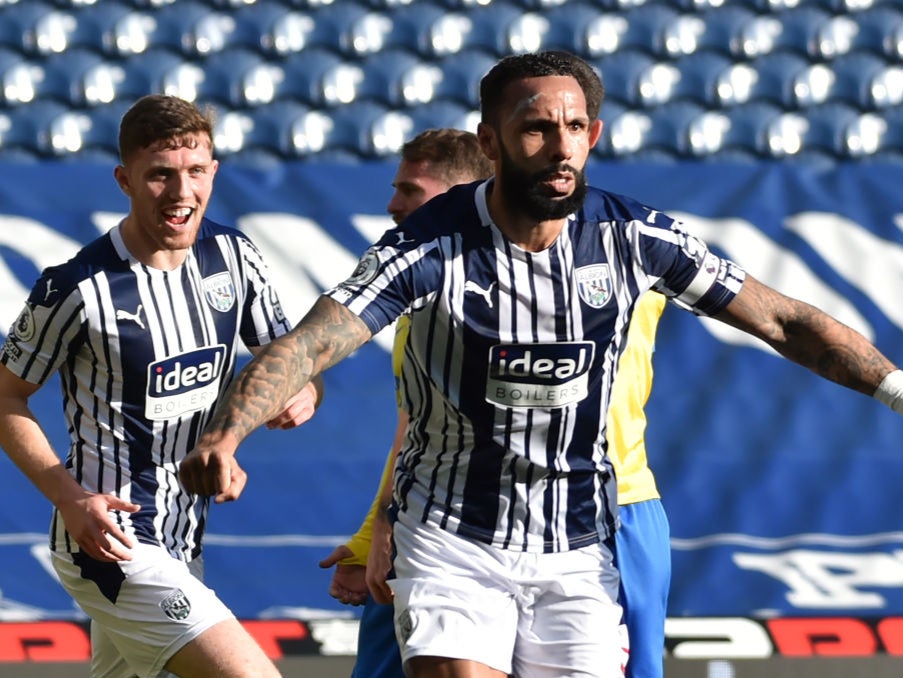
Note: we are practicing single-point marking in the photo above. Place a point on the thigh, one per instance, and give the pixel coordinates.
(225, 650)
(570, 621)
(377, 648)
(144, 610)
(644, 560)
(453, 600)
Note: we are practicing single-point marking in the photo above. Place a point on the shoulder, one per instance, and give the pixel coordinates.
(454, 211)
(604, 206)
(58, 281)
(211, 229)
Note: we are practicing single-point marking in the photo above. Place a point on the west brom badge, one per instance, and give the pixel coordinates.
(594, 284)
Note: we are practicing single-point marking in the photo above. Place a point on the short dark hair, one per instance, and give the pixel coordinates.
(536, 65)
(455, 156)
(160, 117)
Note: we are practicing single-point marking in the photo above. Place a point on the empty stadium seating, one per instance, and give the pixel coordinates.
(351, 79)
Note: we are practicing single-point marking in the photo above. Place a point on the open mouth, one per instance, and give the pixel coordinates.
(178, 216)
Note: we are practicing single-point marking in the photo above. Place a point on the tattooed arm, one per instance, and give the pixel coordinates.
(802, 333)
(325, 336)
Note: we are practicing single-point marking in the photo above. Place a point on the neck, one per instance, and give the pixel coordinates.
(528, 234)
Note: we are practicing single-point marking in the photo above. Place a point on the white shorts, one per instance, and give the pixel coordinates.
(142, 611)
(536, 615)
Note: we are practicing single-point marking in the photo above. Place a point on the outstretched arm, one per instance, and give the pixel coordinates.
(325, 336)
(804, 334)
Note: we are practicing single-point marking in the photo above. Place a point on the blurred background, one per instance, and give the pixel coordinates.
(772, 128)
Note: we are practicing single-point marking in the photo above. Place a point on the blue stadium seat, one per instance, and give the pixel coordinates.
(622, 132)
(828, 128)
(890, 136)
(155, 71)
(757, 37)
(18, 137)
(21, 79)
(400, 79)
(724, 29)
(321, 78)
(748, 128)
(800, 28)
(192, 28)
(429, 30)
(880, 31)
(816, 135)
(834, 37)
(37, 27)
(352, 29)
(623, 73)
(647, 27)
(491, 28)
(240, 77)
(701, 74)
(670, 131)
(866, 137)
(441, 113)
(461, 75)
(778, 78)
(45, 128)
(82, 77)
(585, 28)
(866, 81)
(117, 29)
(369, 130)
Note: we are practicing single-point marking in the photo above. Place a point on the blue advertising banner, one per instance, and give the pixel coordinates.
(782, 488)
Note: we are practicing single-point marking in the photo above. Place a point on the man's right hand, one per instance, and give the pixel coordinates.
(89, 523)
(212, 472)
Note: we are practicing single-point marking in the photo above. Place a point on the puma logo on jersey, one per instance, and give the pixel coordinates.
(471, 286)
(50, 290)
(134, 317)
(402, 239)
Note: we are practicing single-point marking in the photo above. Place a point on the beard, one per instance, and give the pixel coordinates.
(525, 192)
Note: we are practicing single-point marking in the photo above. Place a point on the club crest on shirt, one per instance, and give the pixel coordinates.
(176, 605)
(594, 284)
(23, 327)
(366, 269)
(219, 291)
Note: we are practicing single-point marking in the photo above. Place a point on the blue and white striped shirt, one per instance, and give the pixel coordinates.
(512, 354)
(143, 355)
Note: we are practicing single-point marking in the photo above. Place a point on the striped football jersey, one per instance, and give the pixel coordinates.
(511, 357)
(142, 355)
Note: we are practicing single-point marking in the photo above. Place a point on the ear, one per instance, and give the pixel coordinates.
(122, 178)
(486, 136)
(595, 132)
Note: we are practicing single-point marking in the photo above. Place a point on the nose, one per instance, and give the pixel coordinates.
(561, 144)
(181, 185)
(396, 207)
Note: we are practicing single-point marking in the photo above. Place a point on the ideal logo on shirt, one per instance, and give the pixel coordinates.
(539, 375)
(183, 383)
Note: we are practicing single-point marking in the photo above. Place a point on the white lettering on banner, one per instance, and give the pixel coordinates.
(776, 266)
(829, 580)
(845, 245)
(727, 638)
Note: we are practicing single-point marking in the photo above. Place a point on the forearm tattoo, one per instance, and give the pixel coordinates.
(324, 337)
(804, 334)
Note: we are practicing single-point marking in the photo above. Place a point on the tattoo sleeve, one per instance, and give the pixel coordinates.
(808, 336)
(325, 336)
